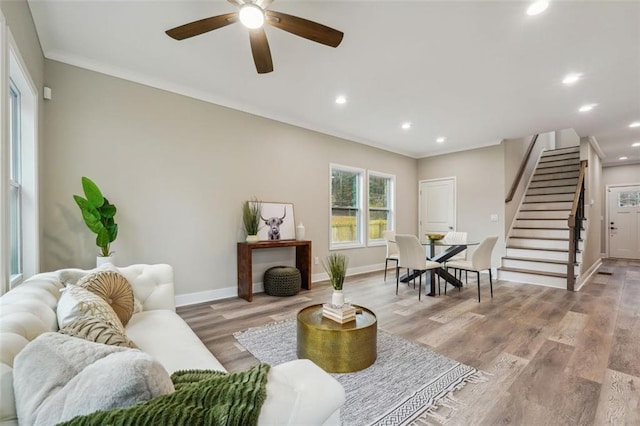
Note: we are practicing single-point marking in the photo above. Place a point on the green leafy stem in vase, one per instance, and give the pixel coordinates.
(98, 213)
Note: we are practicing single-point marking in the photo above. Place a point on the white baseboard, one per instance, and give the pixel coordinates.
(228, 292)
(584, 277)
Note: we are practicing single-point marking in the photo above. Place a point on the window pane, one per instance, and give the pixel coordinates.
(346, 206)
(14, 230)
(378, 191)
(14, 133)
(378, 223)
(344, 225)
(628, 199)
(344, 189)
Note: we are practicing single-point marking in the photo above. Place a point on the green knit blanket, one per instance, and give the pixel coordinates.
(202, 397)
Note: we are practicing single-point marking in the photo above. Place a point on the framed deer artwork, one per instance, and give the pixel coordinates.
(277, 222)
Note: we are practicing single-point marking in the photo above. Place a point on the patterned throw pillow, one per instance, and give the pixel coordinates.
(114, 288)
(77, 302)
(97, 330)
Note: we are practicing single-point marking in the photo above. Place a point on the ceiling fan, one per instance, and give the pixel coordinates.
(253, 14)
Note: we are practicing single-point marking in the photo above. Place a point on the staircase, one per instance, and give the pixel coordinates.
(539, 242)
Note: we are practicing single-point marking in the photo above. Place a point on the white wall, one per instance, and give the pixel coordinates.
(480, 190)
(178, 170)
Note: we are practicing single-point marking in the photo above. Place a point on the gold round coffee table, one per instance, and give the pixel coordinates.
(335, 347)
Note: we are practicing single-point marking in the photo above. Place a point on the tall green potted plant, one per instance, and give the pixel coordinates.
(99, 216)
(251, 211)
(335, 265)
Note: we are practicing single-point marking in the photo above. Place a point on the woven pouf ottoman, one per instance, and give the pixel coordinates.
(282, 281)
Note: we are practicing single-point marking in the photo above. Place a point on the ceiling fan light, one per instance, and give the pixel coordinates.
(251, 16)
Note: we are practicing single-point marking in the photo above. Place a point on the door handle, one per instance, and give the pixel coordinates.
(613, 228)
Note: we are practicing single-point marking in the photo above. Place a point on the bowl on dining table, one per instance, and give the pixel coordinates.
(435, 237)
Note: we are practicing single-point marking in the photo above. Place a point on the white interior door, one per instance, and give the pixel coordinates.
(437, 206)
(624, 222)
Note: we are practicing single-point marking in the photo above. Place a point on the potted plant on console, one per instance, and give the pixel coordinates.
(336, 267)
(99, 215)
(251, 211)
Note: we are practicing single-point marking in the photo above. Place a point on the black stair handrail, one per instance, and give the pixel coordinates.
(523, 166)
(576, 216)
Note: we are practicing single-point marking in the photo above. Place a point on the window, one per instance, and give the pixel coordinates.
(628, 199)
(381, 202)
(15, 187)
(346, 206)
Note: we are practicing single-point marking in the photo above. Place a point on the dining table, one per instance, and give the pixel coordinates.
(452, 248)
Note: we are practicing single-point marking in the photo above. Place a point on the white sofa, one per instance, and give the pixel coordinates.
(298, 392)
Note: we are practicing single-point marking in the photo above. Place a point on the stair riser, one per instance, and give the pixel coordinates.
(555, 176)
(555, 162)
(533, 223)
(553, 183)
(542, 254)
(551, 190)
(540, 233)
(541, 214)
(533, 279)
(559, 169)
(548, 198)
(540, 244)
(550, 157)
(564, 205)
(535, 266)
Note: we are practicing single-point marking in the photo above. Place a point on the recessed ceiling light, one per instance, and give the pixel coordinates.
(623, 158)
(570, 79)
(636, 144)
(635, 124)
(588, 107)
(537, 7)
(406, 125)
(341, 99)
(441, 139)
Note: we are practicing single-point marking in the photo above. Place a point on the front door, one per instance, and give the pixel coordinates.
(624, 221)
(437, 206)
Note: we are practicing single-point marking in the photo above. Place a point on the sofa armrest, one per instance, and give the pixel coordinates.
(301, 393)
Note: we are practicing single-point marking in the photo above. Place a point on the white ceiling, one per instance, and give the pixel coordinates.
(475, 72)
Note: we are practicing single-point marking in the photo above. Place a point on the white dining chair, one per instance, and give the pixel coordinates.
(480, 260)
(412, 256)
(392, 251)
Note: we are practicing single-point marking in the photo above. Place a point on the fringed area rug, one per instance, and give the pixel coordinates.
(405, 384)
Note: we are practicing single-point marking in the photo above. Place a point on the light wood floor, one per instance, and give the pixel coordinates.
(553, 357)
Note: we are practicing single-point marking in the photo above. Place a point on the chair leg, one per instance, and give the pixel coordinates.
(397, 279)
(386, 265)
(491, 283)
(478, 286)
(419, 287)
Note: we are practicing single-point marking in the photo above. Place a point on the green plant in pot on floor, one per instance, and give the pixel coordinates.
(251, 211)
(99, 215)
(335, 266)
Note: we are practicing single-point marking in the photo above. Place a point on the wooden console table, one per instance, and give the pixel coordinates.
(245, 262)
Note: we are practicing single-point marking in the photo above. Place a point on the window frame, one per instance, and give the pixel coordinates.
(360, 215)
(15, 184)
(391, 225)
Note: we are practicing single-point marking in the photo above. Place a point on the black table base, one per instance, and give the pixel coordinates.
(441, 272)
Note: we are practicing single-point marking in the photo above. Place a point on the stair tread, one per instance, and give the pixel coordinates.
(550, 193)
(547, 210)
(539, 238)
(541, 249)
(542, 228)
(541, 218)
(529, 271)
(527, 259)
(551, 201)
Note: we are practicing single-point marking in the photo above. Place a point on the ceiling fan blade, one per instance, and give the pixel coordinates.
(263, 3)
(202, 26)
(236, 2)
(260, 50)
(304, 28)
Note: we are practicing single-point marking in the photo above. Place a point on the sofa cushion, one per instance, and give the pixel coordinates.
(166, 336)
(77, 302)
(97, 330)
(58, 377)
(114, 288)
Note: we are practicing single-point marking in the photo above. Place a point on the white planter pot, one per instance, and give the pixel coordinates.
(337, 298)
(101, 260)
(252, 238)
